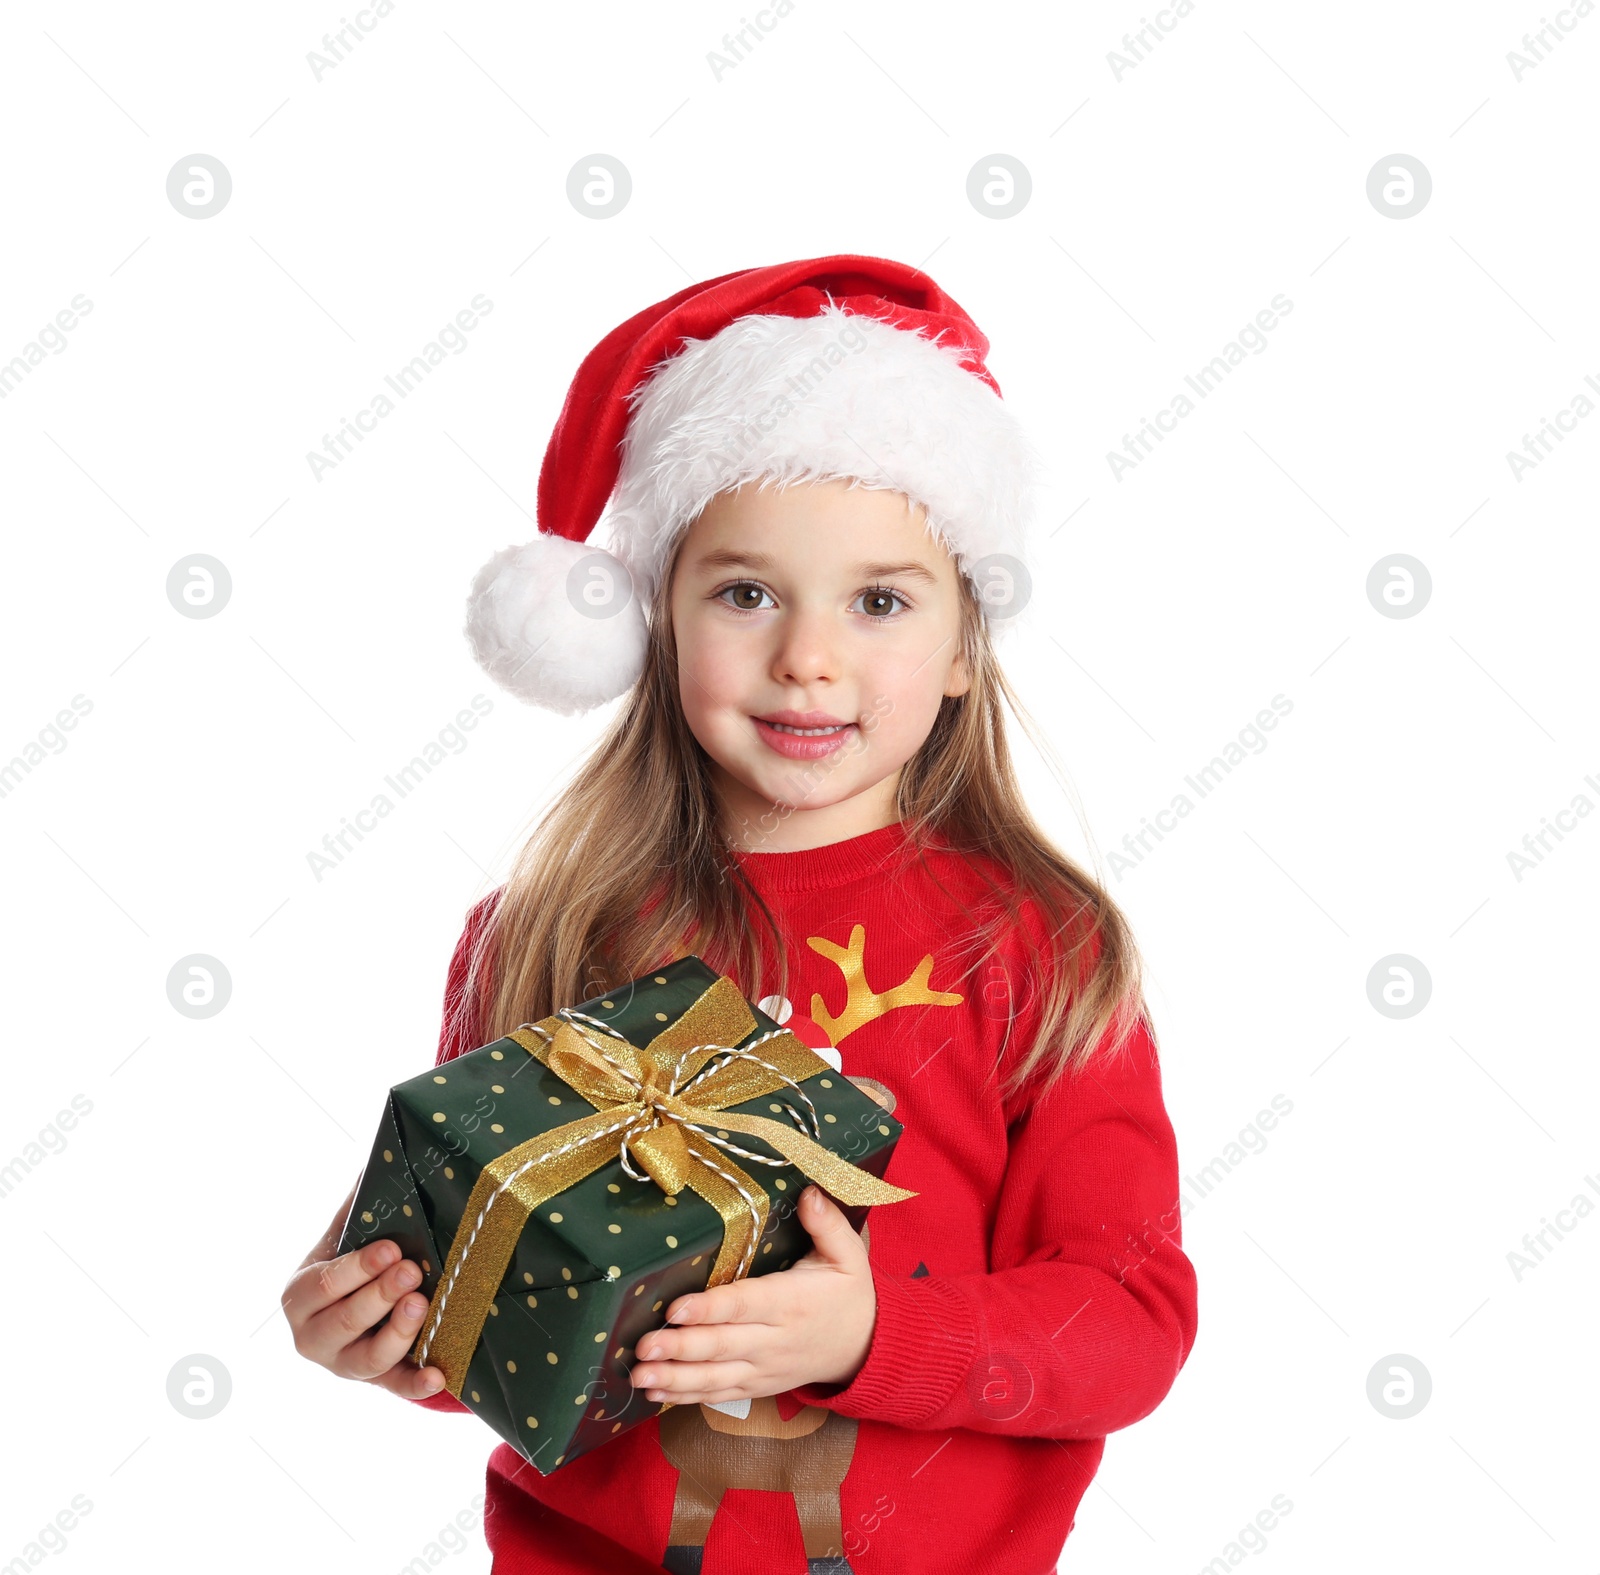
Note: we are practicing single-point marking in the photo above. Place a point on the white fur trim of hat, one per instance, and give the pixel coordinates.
(833, 396)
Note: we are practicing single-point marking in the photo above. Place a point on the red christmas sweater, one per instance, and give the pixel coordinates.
(1032, 1298)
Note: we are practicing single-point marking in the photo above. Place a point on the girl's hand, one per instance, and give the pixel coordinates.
(331, 1304)
(811, 1324)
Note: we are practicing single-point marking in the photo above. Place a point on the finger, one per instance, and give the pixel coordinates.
(680, 1380)
(321, 1284)
(740, 1301)
(832, 1237)
(717, 1342)
(411, 1383)
(346, 1321)
(374, 1354)
(706, 1397)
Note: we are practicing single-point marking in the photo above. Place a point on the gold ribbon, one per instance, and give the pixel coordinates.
(651, 1105)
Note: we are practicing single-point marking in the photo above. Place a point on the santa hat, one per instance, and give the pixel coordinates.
(841, 367)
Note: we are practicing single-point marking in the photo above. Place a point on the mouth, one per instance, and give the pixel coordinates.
(803, 736)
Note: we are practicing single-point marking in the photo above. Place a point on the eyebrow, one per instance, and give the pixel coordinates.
(737, 558)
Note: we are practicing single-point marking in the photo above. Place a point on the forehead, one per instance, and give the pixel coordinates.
(714, 560)
(856, 530)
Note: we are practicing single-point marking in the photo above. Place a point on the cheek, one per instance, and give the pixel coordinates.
(906, 680)
(713, 670)
(902, 691)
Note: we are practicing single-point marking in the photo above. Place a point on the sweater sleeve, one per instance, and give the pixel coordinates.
(459, 1032)
(1089, 1308)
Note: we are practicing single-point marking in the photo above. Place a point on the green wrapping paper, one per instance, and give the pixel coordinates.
(594, 1267)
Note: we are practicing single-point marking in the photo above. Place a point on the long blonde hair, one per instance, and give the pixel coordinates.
(627, 869)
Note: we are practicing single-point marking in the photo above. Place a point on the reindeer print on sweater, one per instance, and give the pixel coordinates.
(775, 1444)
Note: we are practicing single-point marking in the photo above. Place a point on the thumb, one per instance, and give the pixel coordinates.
(832, 1238)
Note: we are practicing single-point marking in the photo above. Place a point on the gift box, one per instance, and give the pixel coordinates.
(562, 1186)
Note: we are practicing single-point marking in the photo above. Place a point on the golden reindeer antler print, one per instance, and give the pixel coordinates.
(862, 1002)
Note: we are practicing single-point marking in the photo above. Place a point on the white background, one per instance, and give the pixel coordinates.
(1167, 209)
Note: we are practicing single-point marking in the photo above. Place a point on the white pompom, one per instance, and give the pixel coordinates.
(557, 635)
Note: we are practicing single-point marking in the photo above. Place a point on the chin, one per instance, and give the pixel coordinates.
(787, 784)
(804, 793)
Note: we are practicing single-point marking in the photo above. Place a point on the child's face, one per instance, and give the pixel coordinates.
(781, 603)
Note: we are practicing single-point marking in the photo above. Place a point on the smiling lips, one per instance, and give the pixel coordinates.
(802, 735)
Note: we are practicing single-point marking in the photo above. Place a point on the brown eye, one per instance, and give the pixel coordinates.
(880, 604)
(746, 596)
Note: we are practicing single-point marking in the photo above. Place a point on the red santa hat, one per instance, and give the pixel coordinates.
(850, 368)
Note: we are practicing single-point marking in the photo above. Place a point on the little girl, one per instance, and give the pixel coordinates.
(815, 494)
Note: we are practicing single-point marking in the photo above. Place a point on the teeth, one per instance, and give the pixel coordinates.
(809, 732)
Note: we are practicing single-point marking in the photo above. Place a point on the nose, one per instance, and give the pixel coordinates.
(807, 648)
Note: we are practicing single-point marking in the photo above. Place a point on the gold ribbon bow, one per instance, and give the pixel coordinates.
(651, 1105)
